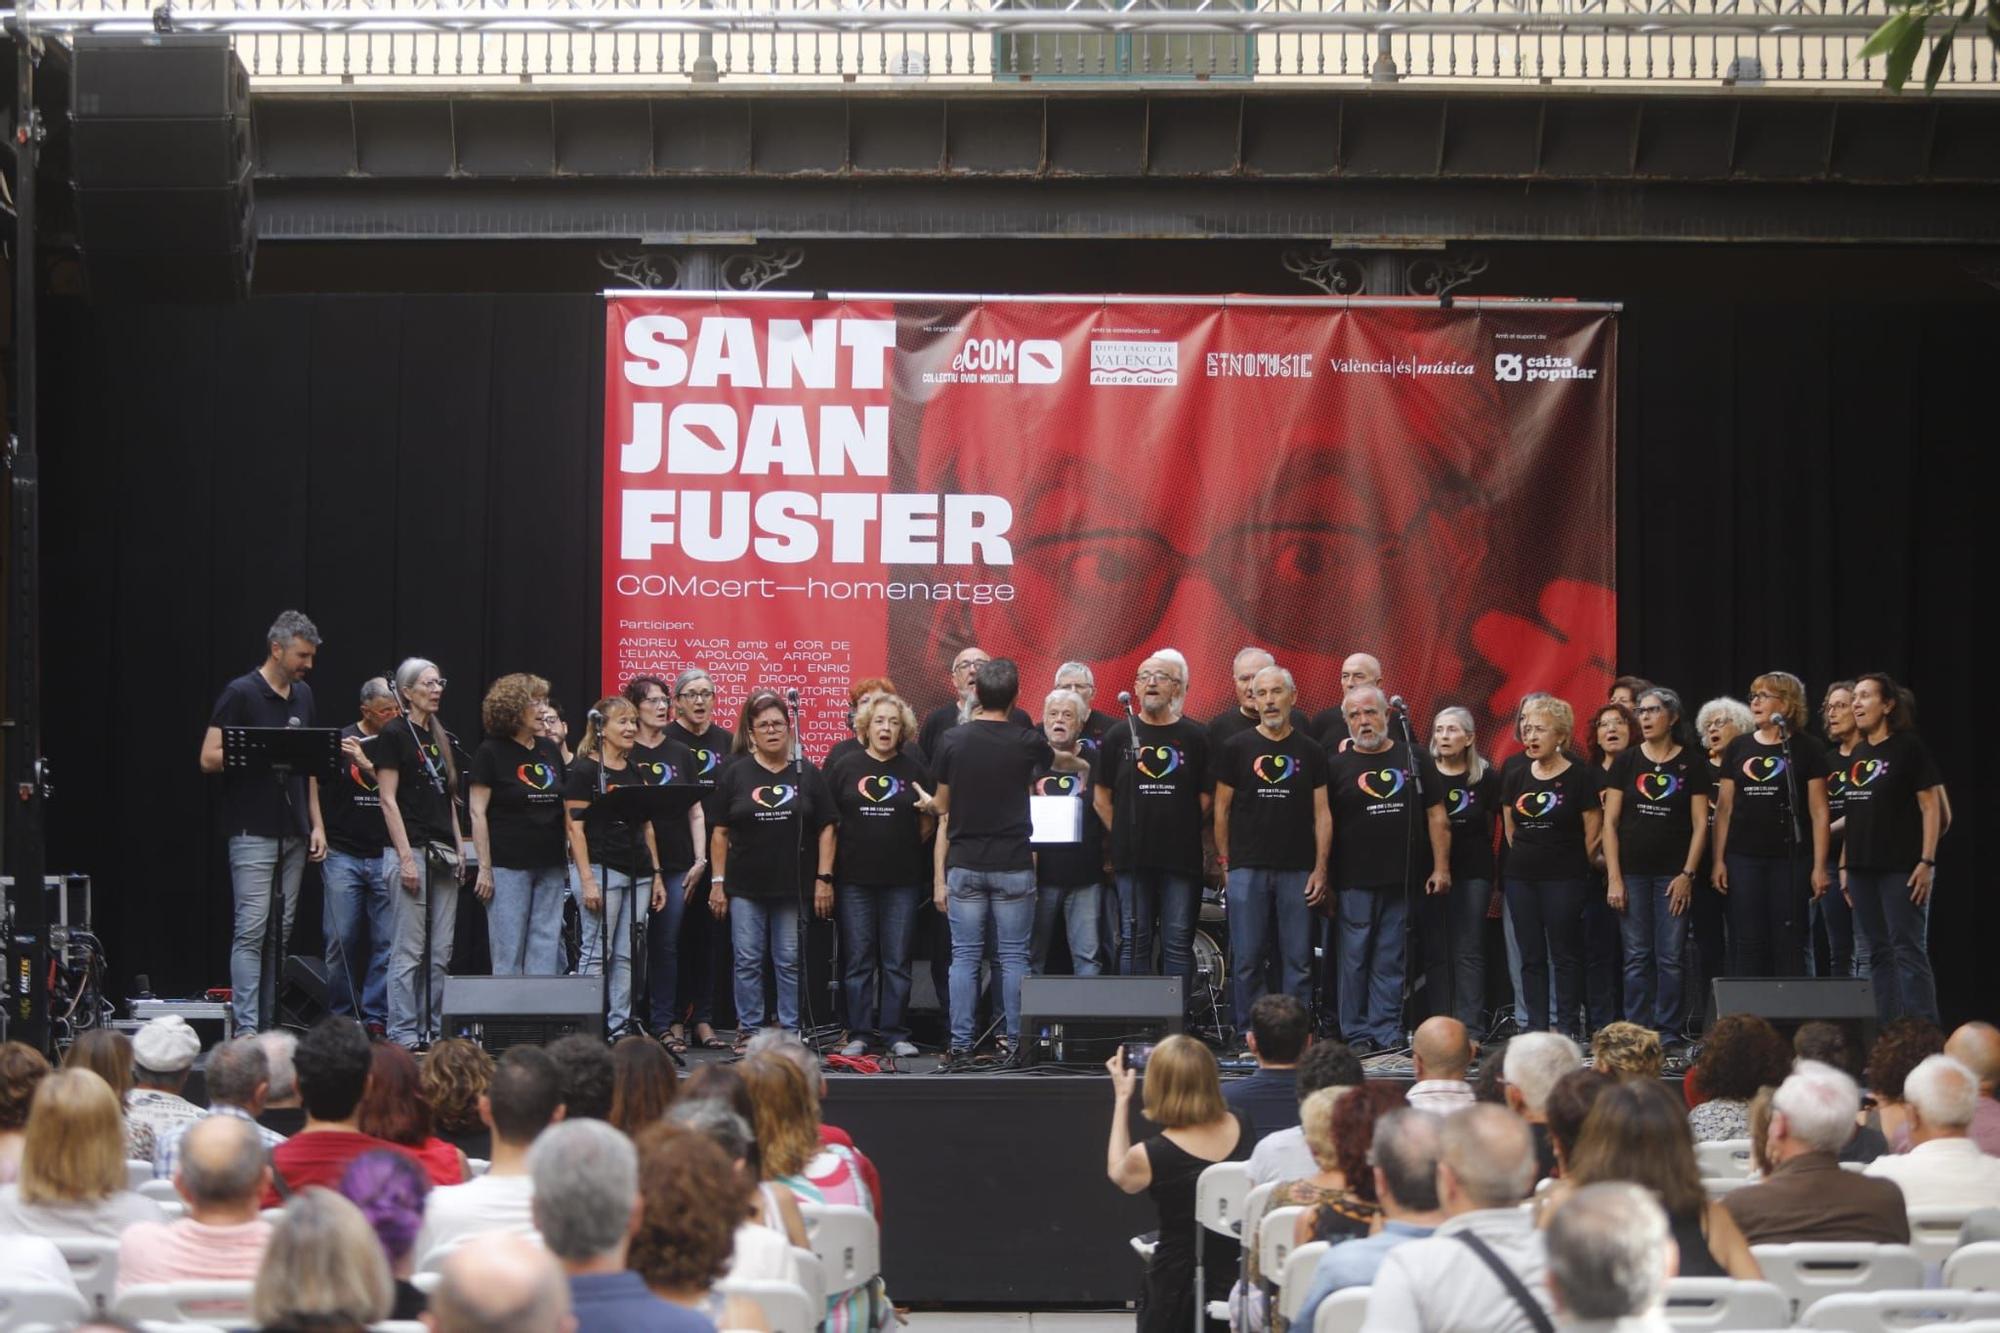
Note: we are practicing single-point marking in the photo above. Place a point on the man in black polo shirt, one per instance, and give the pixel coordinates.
(255, 809)
(985, 865)
(358, 916)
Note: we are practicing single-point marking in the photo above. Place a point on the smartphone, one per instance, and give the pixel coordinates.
(1137, 1056)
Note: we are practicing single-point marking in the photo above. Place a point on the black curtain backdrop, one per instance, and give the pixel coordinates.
(1798, 487)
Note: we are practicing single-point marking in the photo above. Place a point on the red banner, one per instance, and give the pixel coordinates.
(798, 493)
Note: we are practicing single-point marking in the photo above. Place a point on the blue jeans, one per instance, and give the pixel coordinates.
(1767, 914)
(614, 918)
(358, 928)
(1832, 914)
(765, 930)
(1371, 920)
(878, 932)
(1894, 934)
(253, 864)
(1548, 925)
(1007, 898)
(663, 950)
(1267, 914)
(416, 997)
(1601, 967)
(1465, 910)
(524, 921)
(1175, 898)
(1081, 909)
(1507, 932)
(1655, 947)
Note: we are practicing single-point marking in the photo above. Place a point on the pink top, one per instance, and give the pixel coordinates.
(188, 1251)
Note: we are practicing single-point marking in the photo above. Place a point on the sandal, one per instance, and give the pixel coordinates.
(674, 1045)
(711, 1042)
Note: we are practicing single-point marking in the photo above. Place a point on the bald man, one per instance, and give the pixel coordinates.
(1245, 714)
(504, 1284)
(220, 1172)
(1359, 671)
(1977, 1047)
(1443, 1052)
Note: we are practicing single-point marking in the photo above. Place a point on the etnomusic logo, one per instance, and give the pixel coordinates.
(1004, 361)
(1150, 364)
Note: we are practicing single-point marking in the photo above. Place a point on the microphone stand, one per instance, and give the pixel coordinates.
(1409, 870)
(1793, 838)
(604, 915)
(1128, 942)
(805, 895)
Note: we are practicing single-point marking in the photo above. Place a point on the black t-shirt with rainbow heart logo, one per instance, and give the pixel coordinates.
(1156, 793)
(1656, 808)
(1271, 785)
(524, 823)
(1760, 818)
(350, 805)
(774, 821)
(669, 764)
(1380, 832)
(1548, 820)
(881, 833)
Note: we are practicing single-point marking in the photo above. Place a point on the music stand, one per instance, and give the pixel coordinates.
(637, 808)
(284, 753)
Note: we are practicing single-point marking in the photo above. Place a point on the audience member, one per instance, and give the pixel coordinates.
(107, 1053)
(1443, 1052)
(1944, 1168)
(725, 1086)
(1183, 1095)
(1405, 1161)
(333, 1062)
(1742, 1053)
(643, 1082)
(1977, 1047)
(1534, 1063)
(787, 1044)
(237, 1077)
(283, 1111)
(1627, 1050)
(1489, 1085)
(1447, 1285)
(1280, 1032)
(1610, 1256)
(391, 1190)
(1354, 1117)
(587, 1208)
(522, 1099)
(1900, 1046)
(1830, 1044)
(1568, 1107)
(1284, 1155)
(587, 1076)
(1807, 1196)
(1760, 1132)
(163, 1052)
(220, 1172)
(394, 1109)
(34, 1259)
(1347, 1211)
(507, 1286)
(456, 1075)
(1637, 1133)
(73, 1164)
(22, 1068)
(693, 1198)
(759, 1253)
(323, 1271)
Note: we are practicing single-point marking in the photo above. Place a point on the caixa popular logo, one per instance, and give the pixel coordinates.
(1508, 367)
(1004, 361)
(1514, 367)
(1123, 361)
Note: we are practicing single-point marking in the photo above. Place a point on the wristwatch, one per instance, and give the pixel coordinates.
(823, 877)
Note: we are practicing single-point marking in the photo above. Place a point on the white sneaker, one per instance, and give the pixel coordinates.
(855, 1047)
(902, 1050)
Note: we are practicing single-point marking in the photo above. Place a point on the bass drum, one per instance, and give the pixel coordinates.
(1210, 1002)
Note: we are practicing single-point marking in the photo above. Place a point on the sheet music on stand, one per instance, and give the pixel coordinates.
(299, 752)
(1055, 820)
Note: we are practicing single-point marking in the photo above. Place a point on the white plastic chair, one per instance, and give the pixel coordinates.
(1723, 1157)
(847, 1241)
(24, 1303)
(1297, 1277)
(1811, 1271)
(161, 1191)
(426, 1282)
(93, 1266)
(1891, 1311)
(478, 1166)
(786, 1308)
(400, 1326)
(1274, 1240)
(1974, 1267)
(812, 1277)
(1934, 1231)
(1717, 1186)
(185, 1302)
(1219, 1194)
(1725, 1303)
(1343, 1312)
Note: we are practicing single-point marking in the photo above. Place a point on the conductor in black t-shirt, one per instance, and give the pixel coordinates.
(984, 863)
(258, 814)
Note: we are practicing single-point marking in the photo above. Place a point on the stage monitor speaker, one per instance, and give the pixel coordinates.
(502, 1012)
(1787, 1002)
(161, 160)
(1081, 1020)
(302, 998)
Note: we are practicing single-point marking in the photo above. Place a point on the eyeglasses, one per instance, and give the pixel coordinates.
(1647, 710)
(1755, 695)
(769, 724)
(693, 694)
(1158, 678)
(654, 699)
(437, 684)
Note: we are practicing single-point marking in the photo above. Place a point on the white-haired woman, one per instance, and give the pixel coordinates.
(883, 795)
(1472, 803)
(1553, 826)
(416, 776)
(1717, 723)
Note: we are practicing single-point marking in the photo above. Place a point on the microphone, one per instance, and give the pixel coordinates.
(595, 716)
(1779, 724)
(1397, 706)
(792, 697)
(791, 718)
(1125, 699)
